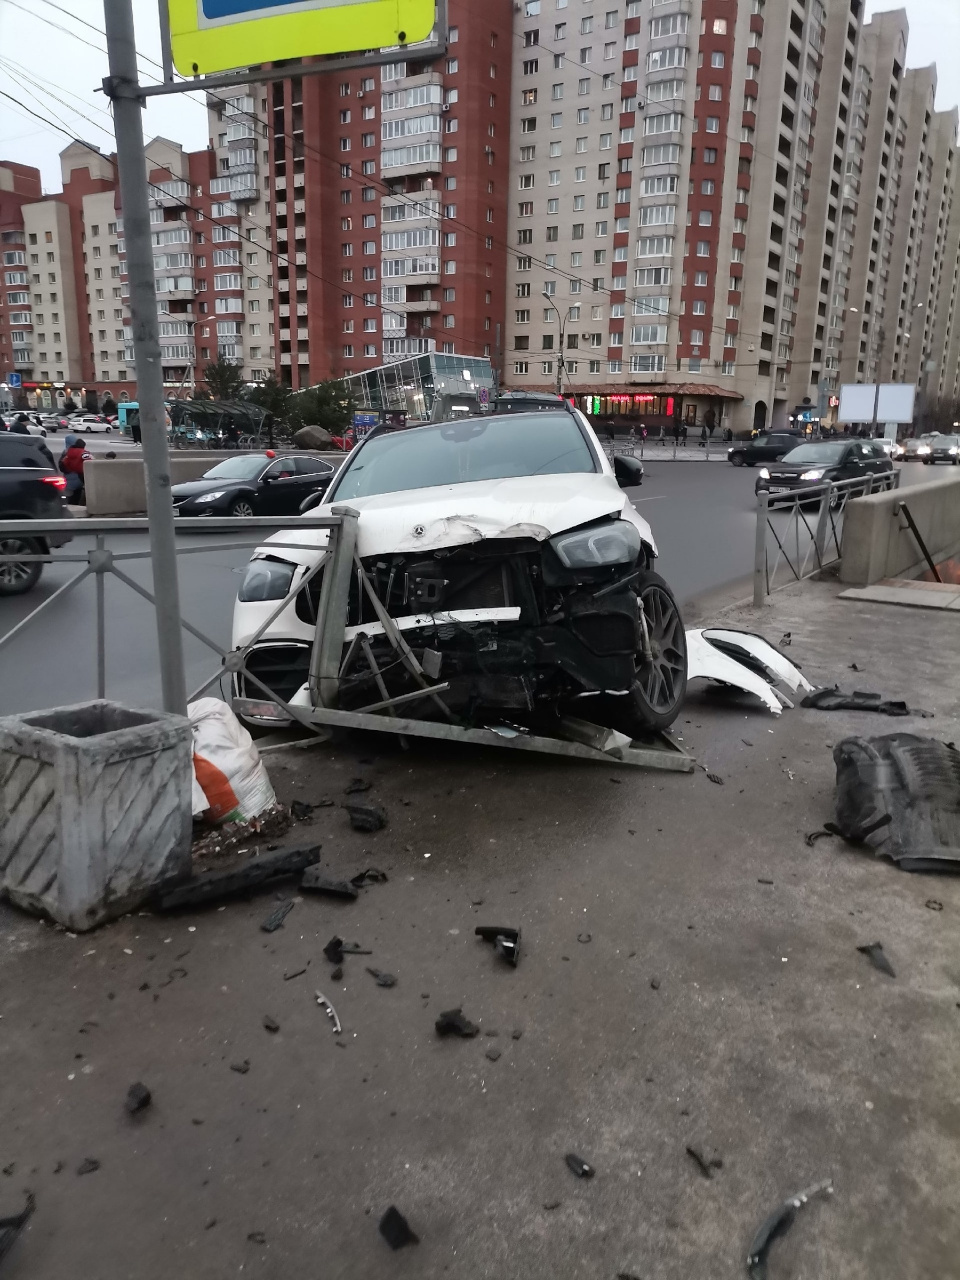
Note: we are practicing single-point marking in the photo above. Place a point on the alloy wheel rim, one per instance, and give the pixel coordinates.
(663, 680)
(242, 510)
(12, 573)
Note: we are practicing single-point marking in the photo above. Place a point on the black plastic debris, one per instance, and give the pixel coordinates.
(786, 640)
(493, 1053)
(900, 794)
(834, 700)
(356, 787)
(11, 1227)
(396, 1230)
(715, 777)
(257, 1237)
(355, 949)
(579, 1166)
(270, 1024)
(878, 958)
(364, 817)
(337, 973)
(811, 838)
(777, 1224)
(89, 1165)
(241, 1068)
(382, 979)
(138, 1098)
(933, 904)
(505, 940)
(627, 1275)
(300, 810)
(314, 881)
(213, 886)
(550, 1205)
(453, 1023)
(294, 973)
(706, 1164)
(276, 918)
(655, 984)
(334, 950)
(370, 876)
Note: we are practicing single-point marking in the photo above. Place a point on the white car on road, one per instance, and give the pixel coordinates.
(508, 555)
(86, 423)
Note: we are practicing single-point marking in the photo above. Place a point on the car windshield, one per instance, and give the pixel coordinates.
(947, 442)
(245, 468)
(825, 453)
(461, 452)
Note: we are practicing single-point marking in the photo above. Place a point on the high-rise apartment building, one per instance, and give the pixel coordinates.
(390, 189)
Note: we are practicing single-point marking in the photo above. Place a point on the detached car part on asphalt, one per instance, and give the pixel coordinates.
(497, 556)
(900, 794)
(744, 660)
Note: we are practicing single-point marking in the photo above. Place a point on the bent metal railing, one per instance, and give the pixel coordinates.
(330, 656)
(799, 533)
(99, 560)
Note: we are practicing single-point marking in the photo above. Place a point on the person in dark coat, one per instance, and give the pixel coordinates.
(71, 464)
(20, 425)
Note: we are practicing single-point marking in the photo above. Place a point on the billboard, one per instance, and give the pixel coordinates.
(895, 402)
(226, 35)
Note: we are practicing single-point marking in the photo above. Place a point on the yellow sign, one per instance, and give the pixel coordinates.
(224, 35)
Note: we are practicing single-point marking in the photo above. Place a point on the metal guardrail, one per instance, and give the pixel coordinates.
(794, 542)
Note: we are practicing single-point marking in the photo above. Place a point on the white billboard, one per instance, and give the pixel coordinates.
(895, 403)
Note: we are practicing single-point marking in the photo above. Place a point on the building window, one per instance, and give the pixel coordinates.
(709, 155)
(719, 26)
(521, 366)
(713, 124)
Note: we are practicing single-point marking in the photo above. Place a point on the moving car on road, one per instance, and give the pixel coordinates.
(918, 447)
(83, 423)
(253, 484)
(31, 488)
(513, 564)
(768, 447)
(812, 464)
(942, 449)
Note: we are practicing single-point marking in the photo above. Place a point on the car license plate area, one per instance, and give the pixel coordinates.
(778, 488)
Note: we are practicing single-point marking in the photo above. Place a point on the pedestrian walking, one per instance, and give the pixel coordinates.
(662, 437)
(703, 436)
(683, 433)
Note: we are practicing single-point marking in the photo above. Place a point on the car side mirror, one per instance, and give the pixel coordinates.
(311, 501)
(628, 471)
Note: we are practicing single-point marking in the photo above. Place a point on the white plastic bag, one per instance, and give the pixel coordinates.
(230, 783)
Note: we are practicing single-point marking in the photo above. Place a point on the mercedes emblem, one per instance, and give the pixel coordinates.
(418, 531)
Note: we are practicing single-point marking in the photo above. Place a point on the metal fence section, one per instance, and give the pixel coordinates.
(800, 533)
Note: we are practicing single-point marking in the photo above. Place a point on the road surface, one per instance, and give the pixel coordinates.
(702, 515)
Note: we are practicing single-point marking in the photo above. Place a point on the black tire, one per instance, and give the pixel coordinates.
(242, 508)
(736, 459)
(16, 579)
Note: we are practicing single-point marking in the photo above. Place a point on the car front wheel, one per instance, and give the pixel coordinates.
(17, 577)
(242, 508)
(737, 459)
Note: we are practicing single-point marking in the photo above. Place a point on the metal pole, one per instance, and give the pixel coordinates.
(560, 352)
(122, 87)
(876, 406)
(101, 626)
(760, 553)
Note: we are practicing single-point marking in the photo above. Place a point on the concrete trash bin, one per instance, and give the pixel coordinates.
(95, 809)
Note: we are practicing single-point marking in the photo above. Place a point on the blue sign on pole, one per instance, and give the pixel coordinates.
(363, 423)
(15, 380)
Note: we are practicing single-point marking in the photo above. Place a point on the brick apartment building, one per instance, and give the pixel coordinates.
(730, 204)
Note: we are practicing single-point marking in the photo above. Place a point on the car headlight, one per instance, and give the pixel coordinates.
(811, 475)
(954, 450)
(617, 542)
(211, 497)
(923, 448)
(764, 473)
(266, 580)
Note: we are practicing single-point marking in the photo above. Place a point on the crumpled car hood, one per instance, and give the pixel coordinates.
(454, 515)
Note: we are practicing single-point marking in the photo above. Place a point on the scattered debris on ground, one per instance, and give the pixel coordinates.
(382, 979)
(877, 956)
(235, 840)
(230, 783)
(330, 1011)
(314, 881)
(214, 886)
(241, 1068)
(334, 950)
(276, 918)
(366, 818)
(452, 1022)
(138, 1098)
(505, 940)
(743, 660)
(933, 904)
(900, 794)
(301, 810)
(579, 1166)
(714, 777)
(777, 1224)
(706, 1164)
(833, 699)
(89, 1165)
(396, 1230)
(11, 1227)
(370, 876)
(356, 787)
(811, 838)
(493, 1053)
(270, 1024)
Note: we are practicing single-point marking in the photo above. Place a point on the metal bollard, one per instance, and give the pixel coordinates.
(760, 551)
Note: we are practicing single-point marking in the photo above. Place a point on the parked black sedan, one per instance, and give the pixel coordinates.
(766, 447)
(253, 484)
(943, 449)
(812, 464)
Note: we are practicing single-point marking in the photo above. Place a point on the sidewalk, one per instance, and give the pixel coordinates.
(688, 977)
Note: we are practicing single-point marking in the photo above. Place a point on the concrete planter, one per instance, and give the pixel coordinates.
(95, 809)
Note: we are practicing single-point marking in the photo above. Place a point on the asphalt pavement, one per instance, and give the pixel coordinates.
(703, 517)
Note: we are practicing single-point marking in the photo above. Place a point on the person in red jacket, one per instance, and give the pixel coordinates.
(71, 464)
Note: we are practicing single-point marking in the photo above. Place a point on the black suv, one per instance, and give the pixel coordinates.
(766, 447)
(31, 488)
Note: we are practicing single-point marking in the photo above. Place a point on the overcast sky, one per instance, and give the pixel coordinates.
(60, 63)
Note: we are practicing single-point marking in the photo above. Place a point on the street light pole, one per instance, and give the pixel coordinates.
(123, 89)
(560, 365)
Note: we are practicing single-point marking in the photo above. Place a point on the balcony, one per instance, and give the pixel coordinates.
(23, 359)
(283, 286)
(284, 310)
(301, 308)
(285, 357)
(303, 335)
(419, 308)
